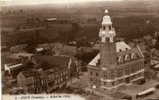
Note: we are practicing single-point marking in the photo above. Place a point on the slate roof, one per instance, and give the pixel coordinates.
(123, 53)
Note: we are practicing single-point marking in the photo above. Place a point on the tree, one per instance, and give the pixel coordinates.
(75, 29)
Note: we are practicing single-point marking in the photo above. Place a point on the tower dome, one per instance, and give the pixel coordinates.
(107, 32)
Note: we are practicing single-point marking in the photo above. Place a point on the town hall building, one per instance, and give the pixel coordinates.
(117, 63)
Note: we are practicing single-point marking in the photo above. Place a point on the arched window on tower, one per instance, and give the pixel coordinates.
(107, 39)
(103, 27)
(110, 27)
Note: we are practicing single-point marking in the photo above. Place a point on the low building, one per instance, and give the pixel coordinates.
(21, 54)
(57, 69)
(58, 49)
(48, 74)
(18, 48)
(13, 69)
(9, 68)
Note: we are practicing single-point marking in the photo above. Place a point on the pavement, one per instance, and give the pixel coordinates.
(82, 82)
(134, 89)
(131, 89)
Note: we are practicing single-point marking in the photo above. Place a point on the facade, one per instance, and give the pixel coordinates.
(117, 63)
(57, 78)
(29, 81)
(49, 74)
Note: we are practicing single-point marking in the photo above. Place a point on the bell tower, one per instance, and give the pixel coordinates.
(108, 47)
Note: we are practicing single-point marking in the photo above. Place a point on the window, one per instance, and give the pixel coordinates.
(120, 59)
(126, 57)
(108, 75)
(133, 56)
(105, 75)
(119, 72)
(113, 74)
(55, 81)
(133, 68)
(96, 74)
(103, 27)
(91, 79)
(107, 39)
(113, 83)
(91, 73)
(127, 70)
(61, 79)
(110, 27)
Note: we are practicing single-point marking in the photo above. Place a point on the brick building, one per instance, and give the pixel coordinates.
(29, 81)
(117, 63)
(49, 74)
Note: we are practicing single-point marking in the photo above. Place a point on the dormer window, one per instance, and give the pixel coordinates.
(133, 56)
(120, 59)
(126, 57)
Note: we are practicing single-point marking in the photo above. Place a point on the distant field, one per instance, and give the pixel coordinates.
(129, 18)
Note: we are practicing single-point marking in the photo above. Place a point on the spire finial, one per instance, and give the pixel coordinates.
(106, 11)
(107, 31)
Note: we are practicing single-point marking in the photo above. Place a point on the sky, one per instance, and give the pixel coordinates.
(26, 2)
